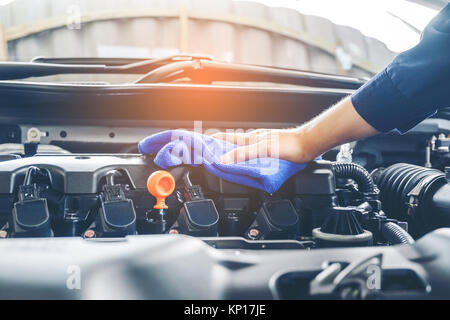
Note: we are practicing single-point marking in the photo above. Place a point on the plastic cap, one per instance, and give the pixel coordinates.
(160, 184)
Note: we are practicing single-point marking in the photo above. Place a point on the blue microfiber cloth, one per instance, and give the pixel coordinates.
(176, 147)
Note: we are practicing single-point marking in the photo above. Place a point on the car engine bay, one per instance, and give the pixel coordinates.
(107, 196)
(378, 203)
(75, 194)
(327, 207)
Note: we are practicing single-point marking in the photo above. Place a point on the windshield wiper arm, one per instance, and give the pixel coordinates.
(123, 62)
(200, 69)
(22, 70)
(203, 71)
(46, 67)
(90, 60)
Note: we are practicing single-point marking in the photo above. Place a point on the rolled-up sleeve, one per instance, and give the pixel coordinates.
(414, 85)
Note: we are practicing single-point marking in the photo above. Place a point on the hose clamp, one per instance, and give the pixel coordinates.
(414, 195)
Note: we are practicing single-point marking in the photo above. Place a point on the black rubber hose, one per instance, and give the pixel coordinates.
(357, 173)
(395, 234)
(430, 205)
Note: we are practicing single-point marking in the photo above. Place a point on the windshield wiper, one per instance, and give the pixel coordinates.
(198, 68)
(90, 60)
(40, 67)
(208, 71)
(142, 63)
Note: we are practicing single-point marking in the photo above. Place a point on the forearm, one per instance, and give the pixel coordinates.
(337, 125)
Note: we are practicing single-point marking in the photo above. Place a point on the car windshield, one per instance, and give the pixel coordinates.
(345, 37)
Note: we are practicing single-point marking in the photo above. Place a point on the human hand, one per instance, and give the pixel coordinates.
(287, 144)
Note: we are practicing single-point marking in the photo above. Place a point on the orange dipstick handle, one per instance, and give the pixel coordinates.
(160, 184)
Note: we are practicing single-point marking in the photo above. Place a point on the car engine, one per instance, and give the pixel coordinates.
(328, 204)
(370, 219)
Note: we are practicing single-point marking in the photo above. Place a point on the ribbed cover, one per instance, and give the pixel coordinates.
(342, 221)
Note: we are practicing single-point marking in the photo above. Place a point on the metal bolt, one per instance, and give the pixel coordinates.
(3, 234)
(33, 134)
(253, 233)
(89, 234)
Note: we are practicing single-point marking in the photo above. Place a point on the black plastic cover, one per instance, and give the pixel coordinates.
(316, 178)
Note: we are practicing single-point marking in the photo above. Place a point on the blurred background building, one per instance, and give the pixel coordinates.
(255, 32)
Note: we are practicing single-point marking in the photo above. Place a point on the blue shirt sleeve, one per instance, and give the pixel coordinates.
(414, 85)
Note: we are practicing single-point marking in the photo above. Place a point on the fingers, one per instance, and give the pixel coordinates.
(261, 149)
(241, 138)
(236, 138)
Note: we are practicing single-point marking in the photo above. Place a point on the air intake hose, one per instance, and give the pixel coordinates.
(415, 194)
(357, 173)
(395, 234)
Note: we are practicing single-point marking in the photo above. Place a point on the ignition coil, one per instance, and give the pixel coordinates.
(116, 216)
(235, 215)
(276, 219)
(30, 215)
(198, 216)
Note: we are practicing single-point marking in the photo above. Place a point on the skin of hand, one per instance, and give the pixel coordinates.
(335, 126)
